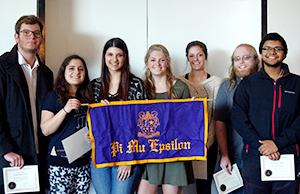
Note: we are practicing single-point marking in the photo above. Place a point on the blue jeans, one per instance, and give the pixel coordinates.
(105, 180)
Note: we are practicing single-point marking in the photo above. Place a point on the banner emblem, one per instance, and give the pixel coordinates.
(148, 123)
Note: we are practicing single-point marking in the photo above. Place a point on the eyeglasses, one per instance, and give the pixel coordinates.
(245, 58)
(28, 33)
(269, 49)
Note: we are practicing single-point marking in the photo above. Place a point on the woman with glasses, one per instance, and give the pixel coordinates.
(202, 84)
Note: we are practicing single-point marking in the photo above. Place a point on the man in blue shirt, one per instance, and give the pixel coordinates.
(245, 61)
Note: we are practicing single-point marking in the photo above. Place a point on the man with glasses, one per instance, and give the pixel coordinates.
(265, 113)
(244, 61)
(24, 81)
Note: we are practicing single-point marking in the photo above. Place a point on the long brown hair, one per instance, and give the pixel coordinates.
(125, 72)
(149, 81)
(84, 92)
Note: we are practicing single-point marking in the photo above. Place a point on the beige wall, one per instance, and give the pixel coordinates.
(10, 12)
(83, 27)
(283, 17)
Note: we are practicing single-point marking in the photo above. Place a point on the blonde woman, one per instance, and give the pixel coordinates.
(161, 84)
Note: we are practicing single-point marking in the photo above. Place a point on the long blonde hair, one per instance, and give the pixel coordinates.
(149, 81)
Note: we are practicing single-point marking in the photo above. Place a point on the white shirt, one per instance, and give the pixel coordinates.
(31, 75)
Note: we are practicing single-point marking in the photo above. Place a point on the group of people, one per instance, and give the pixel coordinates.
(255, 112)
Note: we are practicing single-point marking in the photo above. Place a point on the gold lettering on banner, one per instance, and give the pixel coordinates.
(174, 145)
(134, 147)
(153, 145)
(116, 147)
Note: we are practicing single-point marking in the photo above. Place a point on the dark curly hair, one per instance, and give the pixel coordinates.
(61, 86)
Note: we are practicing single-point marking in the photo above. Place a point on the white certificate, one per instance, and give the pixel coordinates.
(76, 145)
(227, 183)
(278, 170)
(23, 180)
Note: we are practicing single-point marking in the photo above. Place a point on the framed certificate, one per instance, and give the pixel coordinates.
(278, 170)
(23, 180)
(227, 183)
